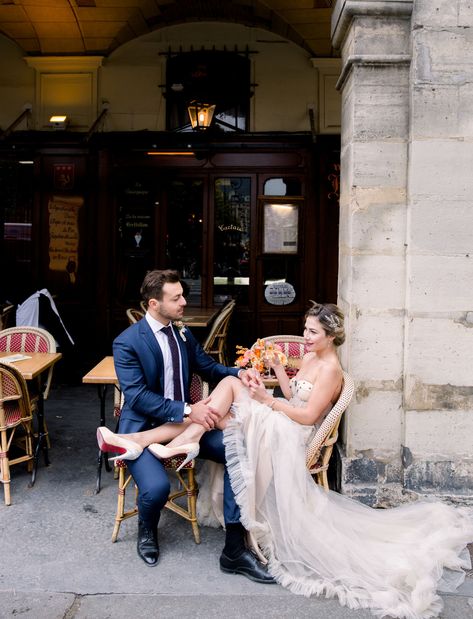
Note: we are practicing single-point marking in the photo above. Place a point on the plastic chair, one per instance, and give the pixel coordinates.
(216, 342)
(134, 315)
(320, 448)
(15, 412)
(187, 485)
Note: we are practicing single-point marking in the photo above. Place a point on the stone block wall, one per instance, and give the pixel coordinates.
(439, 327)
(405, 251)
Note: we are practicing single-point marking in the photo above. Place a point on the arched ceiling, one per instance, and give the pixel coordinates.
(97, 27)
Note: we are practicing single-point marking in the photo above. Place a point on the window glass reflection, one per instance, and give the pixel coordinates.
(232, 238)
(184, 234)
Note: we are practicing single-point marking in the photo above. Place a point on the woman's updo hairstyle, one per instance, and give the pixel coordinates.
(331, 318)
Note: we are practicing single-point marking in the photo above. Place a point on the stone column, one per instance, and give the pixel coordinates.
(438, 403)
(406, 248)
(374, 39)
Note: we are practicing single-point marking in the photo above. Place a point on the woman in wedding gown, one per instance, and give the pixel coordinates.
(317, 542)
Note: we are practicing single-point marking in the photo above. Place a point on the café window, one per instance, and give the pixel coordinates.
(136, 223)
(232, 199)
(16, 247)
(218, 78)
(184, 233)
(280, 248)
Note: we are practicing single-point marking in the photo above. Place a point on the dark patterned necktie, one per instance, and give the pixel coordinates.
(176, 366)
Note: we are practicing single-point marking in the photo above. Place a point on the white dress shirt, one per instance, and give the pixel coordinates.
(163, 343)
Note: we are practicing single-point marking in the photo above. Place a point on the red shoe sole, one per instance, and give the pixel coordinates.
(104, 446)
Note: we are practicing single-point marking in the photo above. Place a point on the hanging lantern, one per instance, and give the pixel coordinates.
(201, 115)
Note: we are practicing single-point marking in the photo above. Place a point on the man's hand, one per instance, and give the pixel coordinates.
(203, 414)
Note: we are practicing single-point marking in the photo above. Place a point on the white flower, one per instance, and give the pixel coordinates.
(181, 327)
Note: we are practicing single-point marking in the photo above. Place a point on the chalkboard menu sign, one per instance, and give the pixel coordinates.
(64, 234)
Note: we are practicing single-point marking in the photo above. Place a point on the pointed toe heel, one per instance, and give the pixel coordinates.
(109, 441)
(162, 452)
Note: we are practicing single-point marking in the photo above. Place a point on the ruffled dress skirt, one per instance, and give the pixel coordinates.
(391, 561)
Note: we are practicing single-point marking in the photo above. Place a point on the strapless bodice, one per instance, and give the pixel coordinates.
(300, 389)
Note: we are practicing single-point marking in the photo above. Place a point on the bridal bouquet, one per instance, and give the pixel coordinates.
(258, 355)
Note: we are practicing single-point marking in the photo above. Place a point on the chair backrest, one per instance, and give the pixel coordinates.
(15, 405)
(199, 389)
(215, 343)
(29, 339)
(143, 307)
(293, 346)
(26, 339)
(331, 422)
(134, 315)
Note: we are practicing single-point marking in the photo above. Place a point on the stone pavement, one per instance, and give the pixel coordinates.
(57, 560)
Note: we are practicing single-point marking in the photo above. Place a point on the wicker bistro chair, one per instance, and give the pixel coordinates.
(216, 342)
(293, 346)
(187, 485)
(16, 412)
(31, 339)
(134, 315)
(321, 446)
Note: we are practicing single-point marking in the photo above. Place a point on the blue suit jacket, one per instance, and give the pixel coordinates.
(140, 370)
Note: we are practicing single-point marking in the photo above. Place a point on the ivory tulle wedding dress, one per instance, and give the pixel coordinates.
(321, 543)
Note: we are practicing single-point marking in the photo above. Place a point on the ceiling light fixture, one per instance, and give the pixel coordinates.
(59, 121)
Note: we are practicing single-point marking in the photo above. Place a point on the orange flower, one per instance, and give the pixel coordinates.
(258, 355)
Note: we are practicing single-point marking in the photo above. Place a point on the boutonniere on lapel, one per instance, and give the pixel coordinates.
(181, 327)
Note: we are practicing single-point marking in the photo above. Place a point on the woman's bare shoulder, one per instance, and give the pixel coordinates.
(330, 371)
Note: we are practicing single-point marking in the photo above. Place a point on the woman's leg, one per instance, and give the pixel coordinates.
(221, 399)
(161, 434)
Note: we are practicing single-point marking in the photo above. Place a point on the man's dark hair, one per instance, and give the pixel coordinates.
(152, 286)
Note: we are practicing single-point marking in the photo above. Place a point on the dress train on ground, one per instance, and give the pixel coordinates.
(391, 561)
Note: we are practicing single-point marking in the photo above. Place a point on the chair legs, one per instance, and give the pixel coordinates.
(5, 475)
(124, 480)
(6, 462)
(322, 479)
(188, 488)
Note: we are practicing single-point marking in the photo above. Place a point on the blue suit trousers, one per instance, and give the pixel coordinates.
(154, 487)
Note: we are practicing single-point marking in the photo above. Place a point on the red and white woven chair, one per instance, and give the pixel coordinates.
(15, 424)
(187, 485)
(29, 339)
(293, 346)
(320, 449)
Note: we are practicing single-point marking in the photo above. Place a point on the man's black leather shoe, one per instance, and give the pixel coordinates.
(147, 545)
(247, 565)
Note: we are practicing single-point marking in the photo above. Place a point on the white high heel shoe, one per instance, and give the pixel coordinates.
(162, 452)
(109, 441)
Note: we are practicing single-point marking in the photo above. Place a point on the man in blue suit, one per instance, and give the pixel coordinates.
(146, 372)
